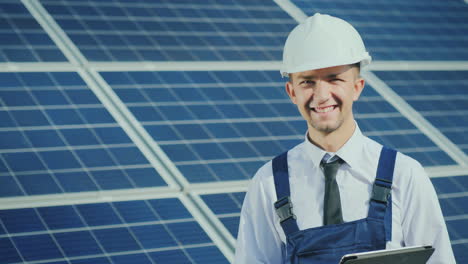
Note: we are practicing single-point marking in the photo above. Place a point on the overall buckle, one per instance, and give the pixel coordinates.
(284, 209)
(381, 193)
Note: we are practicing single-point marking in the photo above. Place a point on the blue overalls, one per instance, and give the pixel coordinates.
(327, 244)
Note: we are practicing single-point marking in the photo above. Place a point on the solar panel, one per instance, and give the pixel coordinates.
(382, 122)
(453, 202)
(141, 231)
(23, 39)
(447, 185)
(71, 143)
(440, 96)
(174, 30)
(227, 207)
(403, 30)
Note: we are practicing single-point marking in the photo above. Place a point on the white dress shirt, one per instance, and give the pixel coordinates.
(416, 215)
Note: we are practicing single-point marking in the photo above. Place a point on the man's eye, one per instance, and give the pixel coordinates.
(336, 80)
(307, 82)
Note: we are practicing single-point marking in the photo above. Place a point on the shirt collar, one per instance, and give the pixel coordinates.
(350, 152)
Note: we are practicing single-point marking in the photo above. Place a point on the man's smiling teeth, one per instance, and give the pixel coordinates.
(324, 109)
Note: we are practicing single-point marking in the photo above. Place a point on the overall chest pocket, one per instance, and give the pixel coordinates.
(329, 255)
(328, 244)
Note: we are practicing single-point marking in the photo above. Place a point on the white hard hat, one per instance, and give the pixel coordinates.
(322, 41)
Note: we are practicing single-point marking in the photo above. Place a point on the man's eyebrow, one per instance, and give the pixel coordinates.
(307, 77)
(311, 77)
(333, 75)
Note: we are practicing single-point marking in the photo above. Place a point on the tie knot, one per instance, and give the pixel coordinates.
(330, 169)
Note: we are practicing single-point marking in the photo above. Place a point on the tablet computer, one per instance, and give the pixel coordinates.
(406, 255)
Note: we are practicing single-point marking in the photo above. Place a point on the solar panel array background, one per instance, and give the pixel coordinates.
(215, 126)
(403, 30)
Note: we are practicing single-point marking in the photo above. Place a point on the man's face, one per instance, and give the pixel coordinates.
(325, 97)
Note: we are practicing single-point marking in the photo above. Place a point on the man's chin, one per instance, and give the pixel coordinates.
(325, 128)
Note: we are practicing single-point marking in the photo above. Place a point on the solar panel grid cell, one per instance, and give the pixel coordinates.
(8, 253)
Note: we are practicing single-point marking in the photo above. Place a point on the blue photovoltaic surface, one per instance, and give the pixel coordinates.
(227, 207)
(142, 231)
(440, 96)
(22, 38)
(213, 125)
(56, 137)
(453, 201)
(219, 126)
(403, 30)
(167, 30)
(382, 122)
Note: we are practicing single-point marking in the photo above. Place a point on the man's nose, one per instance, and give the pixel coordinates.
(322, 91)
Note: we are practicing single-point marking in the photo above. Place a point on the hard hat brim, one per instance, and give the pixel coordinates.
(321, 65)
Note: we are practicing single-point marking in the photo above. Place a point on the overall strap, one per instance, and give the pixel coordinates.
(381, 201)
(283, 206)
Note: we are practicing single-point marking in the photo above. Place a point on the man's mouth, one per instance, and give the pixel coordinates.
(324, 109)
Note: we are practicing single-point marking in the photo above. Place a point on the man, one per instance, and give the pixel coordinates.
(337, 192)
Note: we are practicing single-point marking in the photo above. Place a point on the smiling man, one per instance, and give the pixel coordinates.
(325, 98)
(338, 192)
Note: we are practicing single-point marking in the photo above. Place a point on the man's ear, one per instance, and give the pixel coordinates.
(358, 87)
(290, 91)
